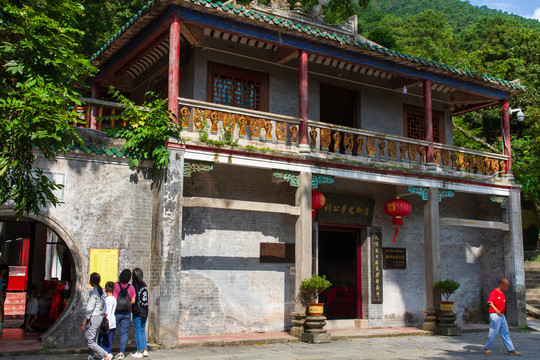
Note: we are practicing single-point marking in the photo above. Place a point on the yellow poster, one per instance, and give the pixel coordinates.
(105, 263)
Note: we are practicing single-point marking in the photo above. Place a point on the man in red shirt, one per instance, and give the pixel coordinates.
(497, 320)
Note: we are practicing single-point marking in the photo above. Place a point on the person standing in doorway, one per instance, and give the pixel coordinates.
(4, 275)
(140, 313)
(125, 298)
(93, 318)
(497, 319)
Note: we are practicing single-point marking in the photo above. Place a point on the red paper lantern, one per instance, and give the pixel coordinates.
(317, 201)
(397, 208)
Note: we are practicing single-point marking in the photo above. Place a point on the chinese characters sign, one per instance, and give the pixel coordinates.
(105, 263)
(376, 267)
(346, 210)
(394, 258)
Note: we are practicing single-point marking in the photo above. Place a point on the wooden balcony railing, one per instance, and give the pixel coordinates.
(278, 129)
(106, 114)
(267, 128)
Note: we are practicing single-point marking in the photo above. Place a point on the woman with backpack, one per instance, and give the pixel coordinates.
(125, 298)
(140, 313)
(93, 318)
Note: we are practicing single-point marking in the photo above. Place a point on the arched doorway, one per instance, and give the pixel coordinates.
(41, 268)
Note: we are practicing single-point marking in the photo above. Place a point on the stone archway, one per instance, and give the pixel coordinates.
(65, 330)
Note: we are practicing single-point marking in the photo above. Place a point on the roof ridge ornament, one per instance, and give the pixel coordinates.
(311, 17)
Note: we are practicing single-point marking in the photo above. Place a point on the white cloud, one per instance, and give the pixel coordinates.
(536, 15)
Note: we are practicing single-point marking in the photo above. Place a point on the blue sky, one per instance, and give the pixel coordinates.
(525, 8)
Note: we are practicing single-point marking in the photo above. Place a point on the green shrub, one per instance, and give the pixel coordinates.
(447, 287)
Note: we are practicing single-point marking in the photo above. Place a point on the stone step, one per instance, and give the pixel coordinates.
(533, 302)
(533, 296)
(532, 265)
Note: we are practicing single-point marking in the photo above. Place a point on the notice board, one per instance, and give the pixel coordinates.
(105, 263)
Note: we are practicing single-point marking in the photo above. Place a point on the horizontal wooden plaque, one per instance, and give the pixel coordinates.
(277, 253)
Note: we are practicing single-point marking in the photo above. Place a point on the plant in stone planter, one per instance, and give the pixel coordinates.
(447, 287)
(309, 292)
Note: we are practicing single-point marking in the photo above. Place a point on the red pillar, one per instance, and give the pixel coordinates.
(303, 97)
(94, 113)
(507, 148)
(174, 64)
(428, 122)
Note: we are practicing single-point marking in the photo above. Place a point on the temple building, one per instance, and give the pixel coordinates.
(278, 106)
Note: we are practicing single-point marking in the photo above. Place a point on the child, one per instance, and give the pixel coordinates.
(106, 340)
(32, 309)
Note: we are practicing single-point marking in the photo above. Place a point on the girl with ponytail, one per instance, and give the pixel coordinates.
(93, 318)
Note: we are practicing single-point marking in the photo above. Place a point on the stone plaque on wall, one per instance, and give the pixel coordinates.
(346, 210)
(376, 267)
(394, 258)
(276, 253)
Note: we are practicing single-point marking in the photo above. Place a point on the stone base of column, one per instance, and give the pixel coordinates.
(446, 325)
(304, 148)
(429, 320)
(314, 332)
(298, 324)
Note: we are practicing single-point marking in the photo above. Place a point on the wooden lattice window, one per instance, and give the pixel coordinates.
(415, 125)
(232, 86)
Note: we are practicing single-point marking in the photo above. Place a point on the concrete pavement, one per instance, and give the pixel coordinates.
(467, 346)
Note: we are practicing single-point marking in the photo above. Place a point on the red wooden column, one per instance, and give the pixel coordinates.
(507, 148)
(303, 97)
(174, 64)
(428, 122)
(94, 114)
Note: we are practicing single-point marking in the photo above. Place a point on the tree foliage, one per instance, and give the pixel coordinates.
(148, 128)
(38, 77)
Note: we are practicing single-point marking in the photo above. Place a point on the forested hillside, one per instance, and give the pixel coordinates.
(459, 14)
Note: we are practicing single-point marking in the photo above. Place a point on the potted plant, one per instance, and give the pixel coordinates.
(309, 291)
(447, 287)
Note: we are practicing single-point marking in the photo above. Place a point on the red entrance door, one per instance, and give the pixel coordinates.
(18, 255)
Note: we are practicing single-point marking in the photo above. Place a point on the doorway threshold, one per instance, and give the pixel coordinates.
(347, 324)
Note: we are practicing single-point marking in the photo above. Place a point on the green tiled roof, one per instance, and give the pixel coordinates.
(99, 150)
(324, 34)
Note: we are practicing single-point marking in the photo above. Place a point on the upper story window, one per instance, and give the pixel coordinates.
(232, 86)
(415, 125)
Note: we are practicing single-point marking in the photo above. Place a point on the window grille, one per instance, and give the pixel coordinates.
(237, 87)
(415, 125)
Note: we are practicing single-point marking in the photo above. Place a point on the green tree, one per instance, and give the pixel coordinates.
(40, 69)
(101, 19)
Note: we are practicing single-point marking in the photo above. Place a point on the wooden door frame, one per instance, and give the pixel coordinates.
(356, 229)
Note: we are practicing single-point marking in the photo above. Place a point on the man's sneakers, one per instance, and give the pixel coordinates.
(145, 353)
(138, 354)
(120, 356)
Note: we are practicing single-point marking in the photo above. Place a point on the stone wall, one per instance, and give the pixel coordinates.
(473, 257)
(225, 286)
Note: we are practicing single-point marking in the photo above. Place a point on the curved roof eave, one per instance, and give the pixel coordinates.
(359, 45)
